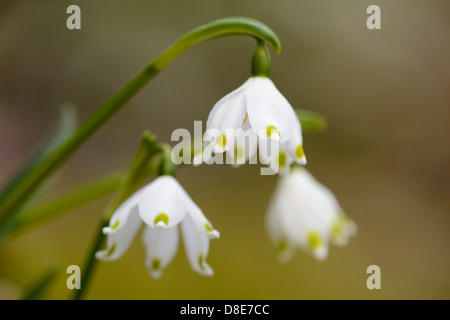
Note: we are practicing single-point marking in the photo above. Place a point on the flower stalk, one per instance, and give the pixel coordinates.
(261, 61)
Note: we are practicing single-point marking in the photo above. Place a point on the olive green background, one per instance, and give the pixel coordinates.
(385, 155)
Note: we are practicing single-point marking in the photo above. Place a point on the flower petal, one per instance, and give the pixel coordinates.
(269, 154)
(300, 213)
(243, 145)
(284, 160)
(124, 225)
(163, 202)
(342, 228)
(295, 145)
(196, 245)
(198, 158)
(269, 113)
(201, 221)
(161, 245)
(277, 235)
(230, 111)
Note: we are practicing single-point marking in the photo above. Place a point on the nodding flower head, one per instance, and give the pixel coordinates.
(162, 206)
(256, 105)
(304, 214)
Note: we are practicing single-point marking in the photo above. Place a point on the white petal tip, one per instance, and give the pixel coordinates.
(214, 234)
(218, 149)
(160, 224)
(207, 271)
(206, 157)
(275, 137)
(103, 256)
(352, 229)
(236, 165)
(284, 257)
(197, 160)
(302, 161)
(320, 254)
(155, 275)
(99, 255)
(203, 268)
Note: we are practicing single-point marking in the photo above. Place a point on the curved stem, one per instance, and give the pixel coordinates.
(215, 29)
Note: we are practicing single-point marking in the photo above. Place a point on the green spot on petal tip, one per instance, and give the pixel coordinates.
(111, 250)
(271, 130)
(238, 152)
(115, 226)
(156, 263)
(314, 240)
(200, 261)
(162, 217)
(282, 246)
(299, 152)
(282, 160)
(337, 228)
(221, 140)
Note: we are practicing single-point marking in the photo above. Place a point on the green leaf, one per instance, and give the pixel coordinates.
(311, 121)
(68, 201)
(79, 196)
(64, 128)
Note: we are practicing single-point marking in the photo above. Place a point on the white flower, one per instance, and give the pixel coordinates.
(257, 104)
(303, 213)
(162, 205)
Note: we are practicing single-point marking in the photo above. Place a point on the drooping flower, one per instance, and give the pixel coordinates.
(256, 105)
(304, 214)
(162, 205)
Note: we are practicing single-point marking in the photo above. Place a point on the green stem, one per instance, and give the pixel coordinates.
(135, 175)
(215, 29)
(90, 263)
(261, 61)
(167, 166)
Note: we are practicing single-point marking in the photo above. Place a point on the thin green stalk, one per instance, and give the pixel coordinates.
(311, 121)
(135, 175)
(76, 198)
(215, 29)
(65, 126)
(90, 264)
(167, 166)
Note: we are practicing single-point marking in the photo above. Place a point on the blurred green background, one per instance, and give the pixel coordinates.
(385, 155)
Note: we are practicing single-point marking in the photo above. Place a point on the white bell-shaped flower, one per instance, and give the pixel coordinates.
(162, 205)
(304, 214)
(257, 104)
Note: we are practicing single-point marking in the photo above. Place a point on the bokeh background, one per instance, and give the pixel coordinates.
(385, 155)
